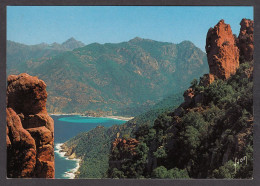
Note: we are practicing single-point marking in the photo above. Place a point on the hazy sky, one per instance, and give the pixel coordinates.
(34, 24)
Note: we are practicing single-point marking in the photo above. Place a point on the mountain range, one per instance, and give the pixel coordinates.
(114, 78)
(20, 53)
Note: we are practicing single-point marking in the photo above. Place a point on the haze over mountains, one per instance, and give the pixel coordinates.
(124, 78)
(17, 52)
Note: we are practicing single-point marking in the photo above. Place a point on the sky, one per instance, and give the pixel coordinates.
(114, 24)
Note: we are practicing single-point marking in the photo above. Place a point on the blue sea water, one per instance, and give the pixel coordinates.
(65, 128)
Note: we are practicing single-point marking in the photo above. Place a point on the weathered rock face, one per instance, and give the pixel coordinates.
(222, 52)
(26, 94)
(246, 40)
(21, 148)
(30, 130)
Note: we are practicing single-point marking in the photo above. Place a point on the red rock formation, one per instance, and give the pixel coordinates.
(206, 80)
(222, 52)
(21, 148)
(246, 40)
(26, 101)
(125, 147)
(188, 95)
(26, 94)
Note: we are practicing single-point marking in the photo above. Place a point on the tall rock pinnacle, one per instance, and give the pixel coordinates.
(222, 52)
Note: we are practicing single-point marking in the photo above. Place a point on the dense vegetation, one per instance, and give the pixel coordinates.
(122, 79)
(93, 146)
(201, 140)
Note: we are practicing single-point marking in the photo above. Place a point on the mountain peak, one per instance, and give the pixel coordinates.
(136, 39)
(72, 43)
(186, 42)
(72, 39)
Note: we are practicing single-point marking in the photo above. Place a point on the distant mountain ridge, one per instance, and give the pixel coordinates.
(69, 44)
(21, 53)
(121, 78)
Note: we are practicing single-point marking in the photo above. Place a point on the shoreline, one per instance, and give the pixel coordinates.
(124, 118)
(70, 174)
(118, 117)
(63, 114)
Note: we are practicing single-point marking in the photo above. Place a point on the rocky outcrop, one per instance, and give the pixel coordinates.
(206, 80)
(30, 130)
(246, 40)
(222, 52)
(26, 94)
(225, 52)
(125, 146)
(121, 150)
(188, 95)
(21, 148)
(223, 58)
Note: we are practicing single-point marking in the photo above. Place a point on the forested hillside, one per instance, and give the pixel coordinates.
(202, 138)
(201, 141)
(93, 146)
(122, 79)
(210, 135)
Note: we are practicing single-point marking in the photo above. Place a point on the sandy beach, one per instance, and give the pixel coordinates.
(119, 117)
(111, 117)
(63, 114)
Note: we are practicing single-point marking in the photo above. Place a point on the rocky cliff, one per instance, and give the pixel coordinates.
(222, 52)
(225, 51)
(30, 130)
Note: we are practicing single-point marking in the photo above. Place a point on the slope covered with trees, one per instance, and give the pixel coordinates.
(210, 135)
(202, 138)
(93, 147)
(201, 141)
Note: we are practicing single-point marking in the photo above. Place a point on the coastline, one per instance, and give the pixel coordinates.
(78, 114)
(119, 117)
(70, 174)
(63, 114)
(64, 152)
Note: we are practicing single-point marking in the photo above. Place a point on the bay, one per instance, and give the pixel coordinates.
(67, 127)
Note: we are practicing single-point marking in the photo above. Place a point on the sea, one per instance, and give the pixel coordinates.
(65, 128)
